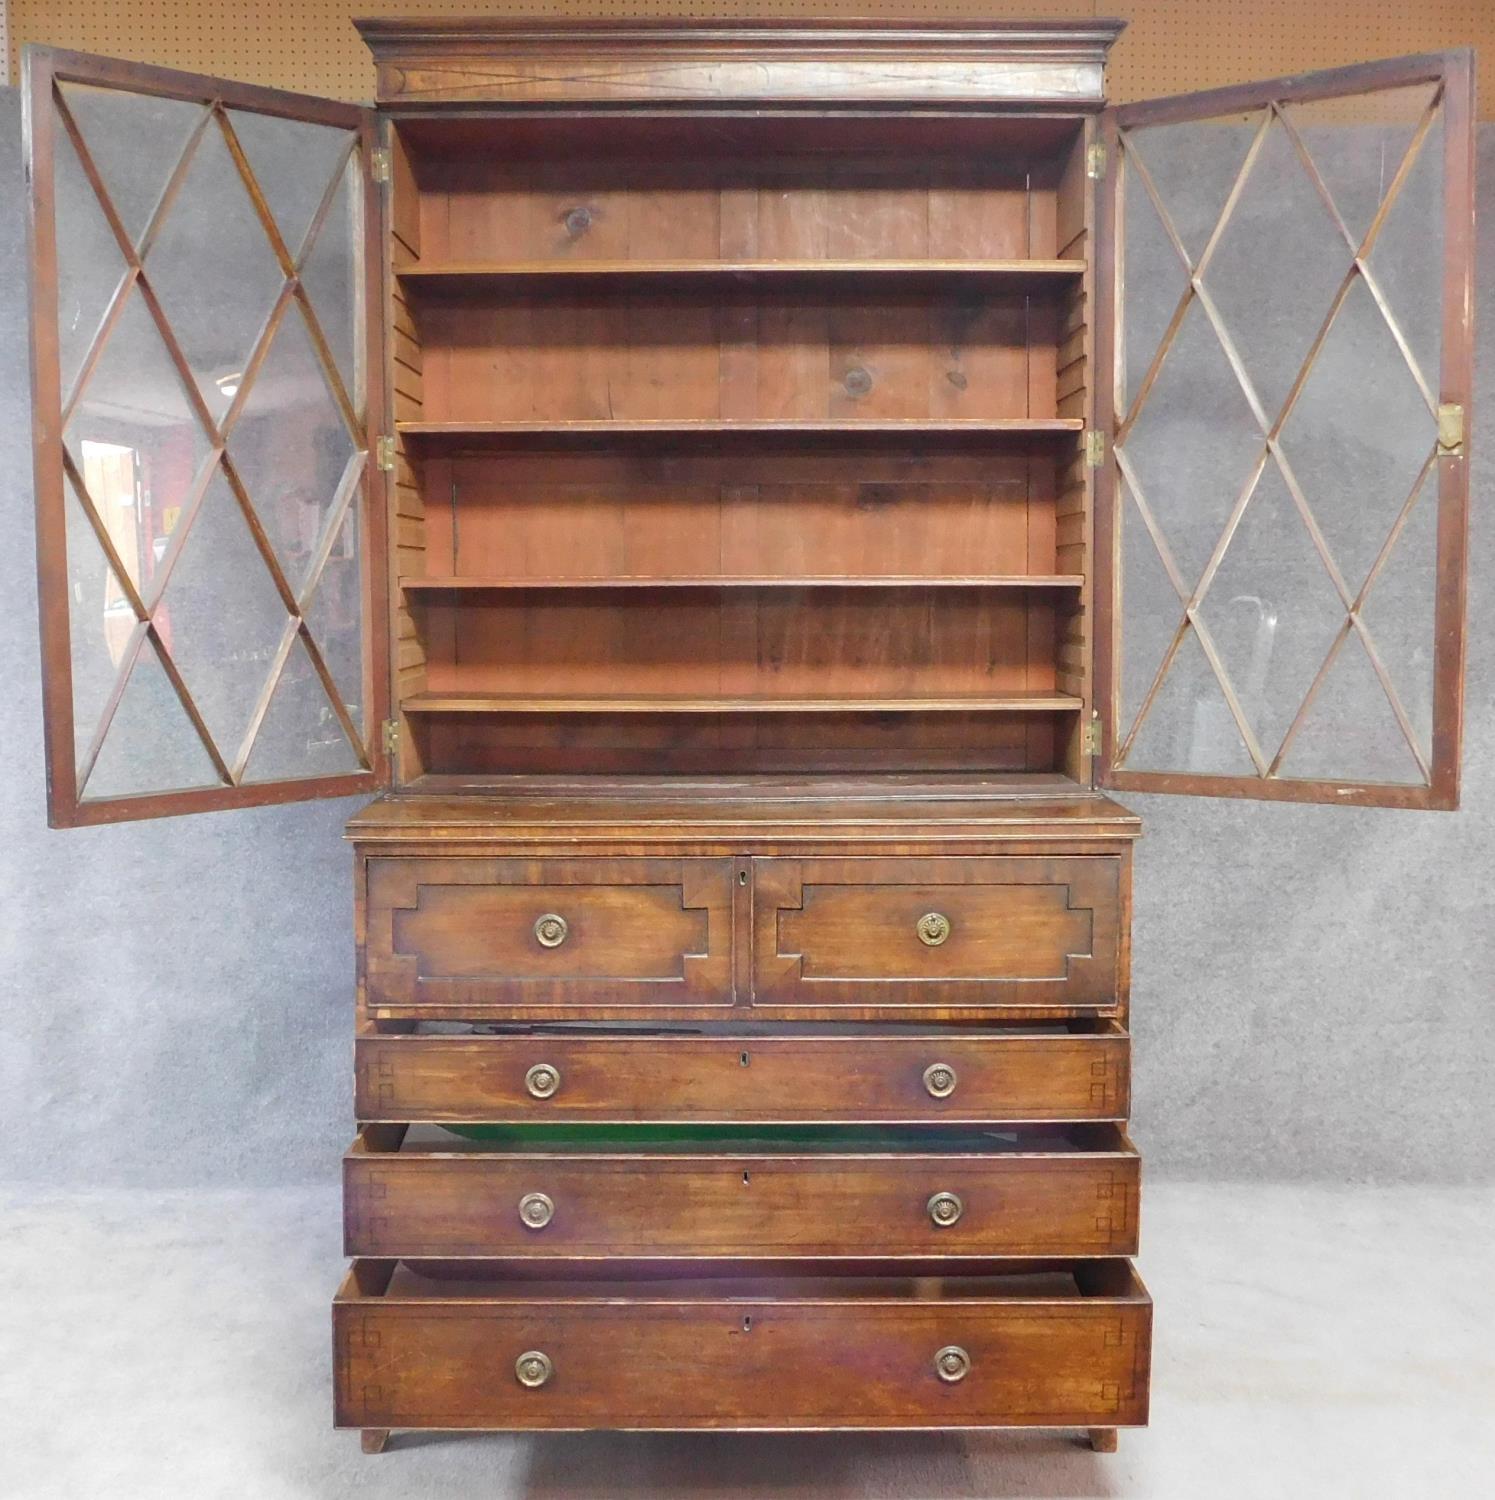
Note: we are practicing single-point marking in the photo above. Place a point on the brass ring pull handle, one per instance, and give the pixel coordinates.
(533, 1368)
(945, 1209)
(939, 1080)
(536, 1210)
(542, 1080)
(951, 1363)
(551, 930)
(933, 928)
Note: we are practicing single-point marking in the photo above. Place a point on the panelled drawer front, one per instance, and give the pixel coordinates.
(644, 1205)
(651, 1361)
(890, 934)
(950, 1076)
(605, 933)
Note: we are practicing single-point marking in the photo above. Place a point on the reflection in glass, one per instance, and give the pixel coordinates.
(292, 448)
(135, 401)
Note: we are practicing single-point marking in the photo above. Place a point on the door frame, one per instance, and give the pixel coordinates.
(1454, 70)
(43, 68)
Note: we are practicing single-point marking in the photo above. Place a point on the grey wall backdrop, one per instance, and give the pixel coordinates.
(1313, 986)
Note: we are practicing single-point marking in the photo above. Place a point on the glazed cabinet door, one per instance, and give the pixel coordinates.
(204, 375)
(1281, 517)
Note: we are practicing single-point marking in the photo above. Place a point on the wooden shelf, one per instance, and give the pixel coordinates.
(463, 277)
(456, 436)
(457, 584)
(506, 703)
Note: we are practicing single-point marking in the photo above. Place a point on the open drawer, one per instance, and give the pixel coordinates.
(1049, 1344)
(806, 1193)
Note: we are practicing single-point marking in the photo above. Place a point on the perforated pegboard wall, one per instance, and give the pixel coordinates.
(1170, 45)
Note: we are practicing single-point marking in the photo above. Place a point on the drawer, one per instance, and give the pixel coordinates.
(978, 934)
(1064, 1345)
(827, 1074)
(459, 935)
(528, 1194)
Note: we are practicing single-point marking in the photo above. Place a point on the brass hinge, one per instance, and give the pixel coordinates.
(1095, 162)
(1095, 447)
(1092, 735)
(391, 737)
(1450, 429)
(384, 454)
(379, 164)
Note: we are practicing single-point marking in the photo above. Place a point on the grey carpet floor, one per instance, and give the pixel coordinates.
(1309, 1342)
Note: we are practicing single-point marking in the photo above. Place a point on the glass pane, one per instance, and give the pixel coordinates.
(1398, 612)
(335, 617)
(1155, 280)
(151, 743)
(1357, 441)
(1326, 748)
(214, 271)
(293, 162)
(1359, 435)
(135, 141)
(301, 735)
(1272, 611)
(1193, 167)
(221, 618)
(134, 417)
(331, 275)
(1275, 272)
(89, 263)
(1150, 610)
(1193, 445)
(101, 623)
(1358, 143)
(1406, 260)
(1189, 726)
(292, 448)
